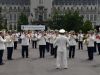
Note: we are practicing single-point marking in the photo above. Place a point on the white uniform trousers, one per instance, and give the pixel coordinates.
(61, 61)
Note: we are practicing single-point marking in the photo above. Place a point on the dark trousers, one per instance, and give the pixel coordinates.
(95, 49)
(25, 51)
(52, 49)
(47, 46)
(15, 44)
(55, 52)
(9, 53)
(34, 44)
(80, 45)
(90, 52)
(1, 56)
(72, 52)
(98, 48)
(42, 51)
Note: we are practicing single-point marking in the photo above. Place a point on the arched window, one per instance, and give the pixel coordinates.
(10, 9)
(18, 8)
(15, 9)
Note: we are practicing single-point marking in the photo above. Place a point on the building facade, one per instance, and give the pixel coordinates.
(90, 9)
(42, 9)
(11, 9)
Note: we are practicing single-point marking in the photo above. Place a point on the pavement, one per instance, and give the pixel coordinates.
(47, 66)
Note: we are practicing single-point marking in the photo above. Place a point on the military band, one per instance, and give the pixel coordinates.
(56, 43)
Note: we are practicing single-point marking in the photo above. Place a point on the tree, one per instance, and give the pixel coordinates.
(70, 20)
(73, 21)
(23, 20)
(87, 26)
(1, 20)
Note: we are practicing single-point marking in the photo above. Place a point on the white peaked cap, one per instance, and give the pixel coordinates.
(61, 31)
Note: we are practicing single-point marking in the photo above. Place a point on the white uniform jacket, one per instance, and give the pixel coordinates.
(41, 40)
(2, 43)
(90, 41)
(34, 37)
(9, 41)
(72, 40)
(25, 39)
(61, 42)
(80, 37)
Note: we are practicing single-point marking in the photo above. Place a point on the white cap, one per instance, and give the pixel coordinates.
(61, 31)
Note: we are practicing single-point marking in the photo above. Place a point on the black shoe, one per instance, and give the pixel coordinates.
(65, 68)
(1, 63)
(27, 57)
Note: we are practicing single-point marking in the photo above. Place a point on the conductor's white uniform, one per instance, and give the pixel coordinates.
(61, 43)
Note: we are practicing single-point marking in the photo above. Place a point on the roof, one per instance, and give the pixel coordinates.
(76, 2)
(15, 2)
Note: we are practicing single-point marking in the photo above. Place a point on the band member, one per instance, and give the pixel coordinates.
(42, 44)
(25, 43)
(80, 40)
(47, 41)
(90, 45)
(34, 40)
(72, 41)
(98, 42)
(61, 42)
(9, 45)
(2, 47)
(51, 43)
(15, 35)
(55, 48)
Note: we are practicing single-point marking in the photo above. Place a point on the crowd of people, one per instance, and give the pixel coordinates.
(56, 42)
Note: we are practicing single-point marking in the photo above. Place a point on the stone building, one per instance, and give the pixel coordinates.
(11, 10)
(41, 10)
(90, 9)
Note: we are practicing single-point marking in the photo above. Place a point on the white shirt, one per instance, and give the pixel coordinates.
(25, 39)
(61, 42)
(72, 40)
(2, 43)
(90, 41)
(80, 37)
(34, 37)
(41, 40)
(9, 41)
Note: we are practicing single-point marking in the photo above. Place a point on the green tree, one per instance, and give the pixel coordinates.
(73, 21)
(70, 20)
(1, 20)
(23, 20)
(87, 26)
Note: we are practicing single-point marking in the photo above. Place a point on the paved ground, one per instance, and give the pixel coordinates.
(46, 66)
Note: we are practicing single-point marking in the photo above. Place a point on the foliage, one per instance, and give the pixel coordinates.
(87, 26)
(23, 20)
(70, 20)
(2, 21)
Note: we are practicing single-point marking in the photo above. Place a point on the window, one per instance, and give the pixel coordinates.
(91, 17)
(95, 17)
(40, 1)
(14, 16)
(10, 17)
(36, 14)
(45, 14)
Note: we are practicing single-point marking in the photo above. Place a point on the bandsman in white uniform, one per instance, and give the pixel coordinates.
(10, 45)
(42, 44)
(80, 40)
(72, 40)
(2, 47)
(34, 40)
(61, 42)
(25, 44)
(90, 45)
